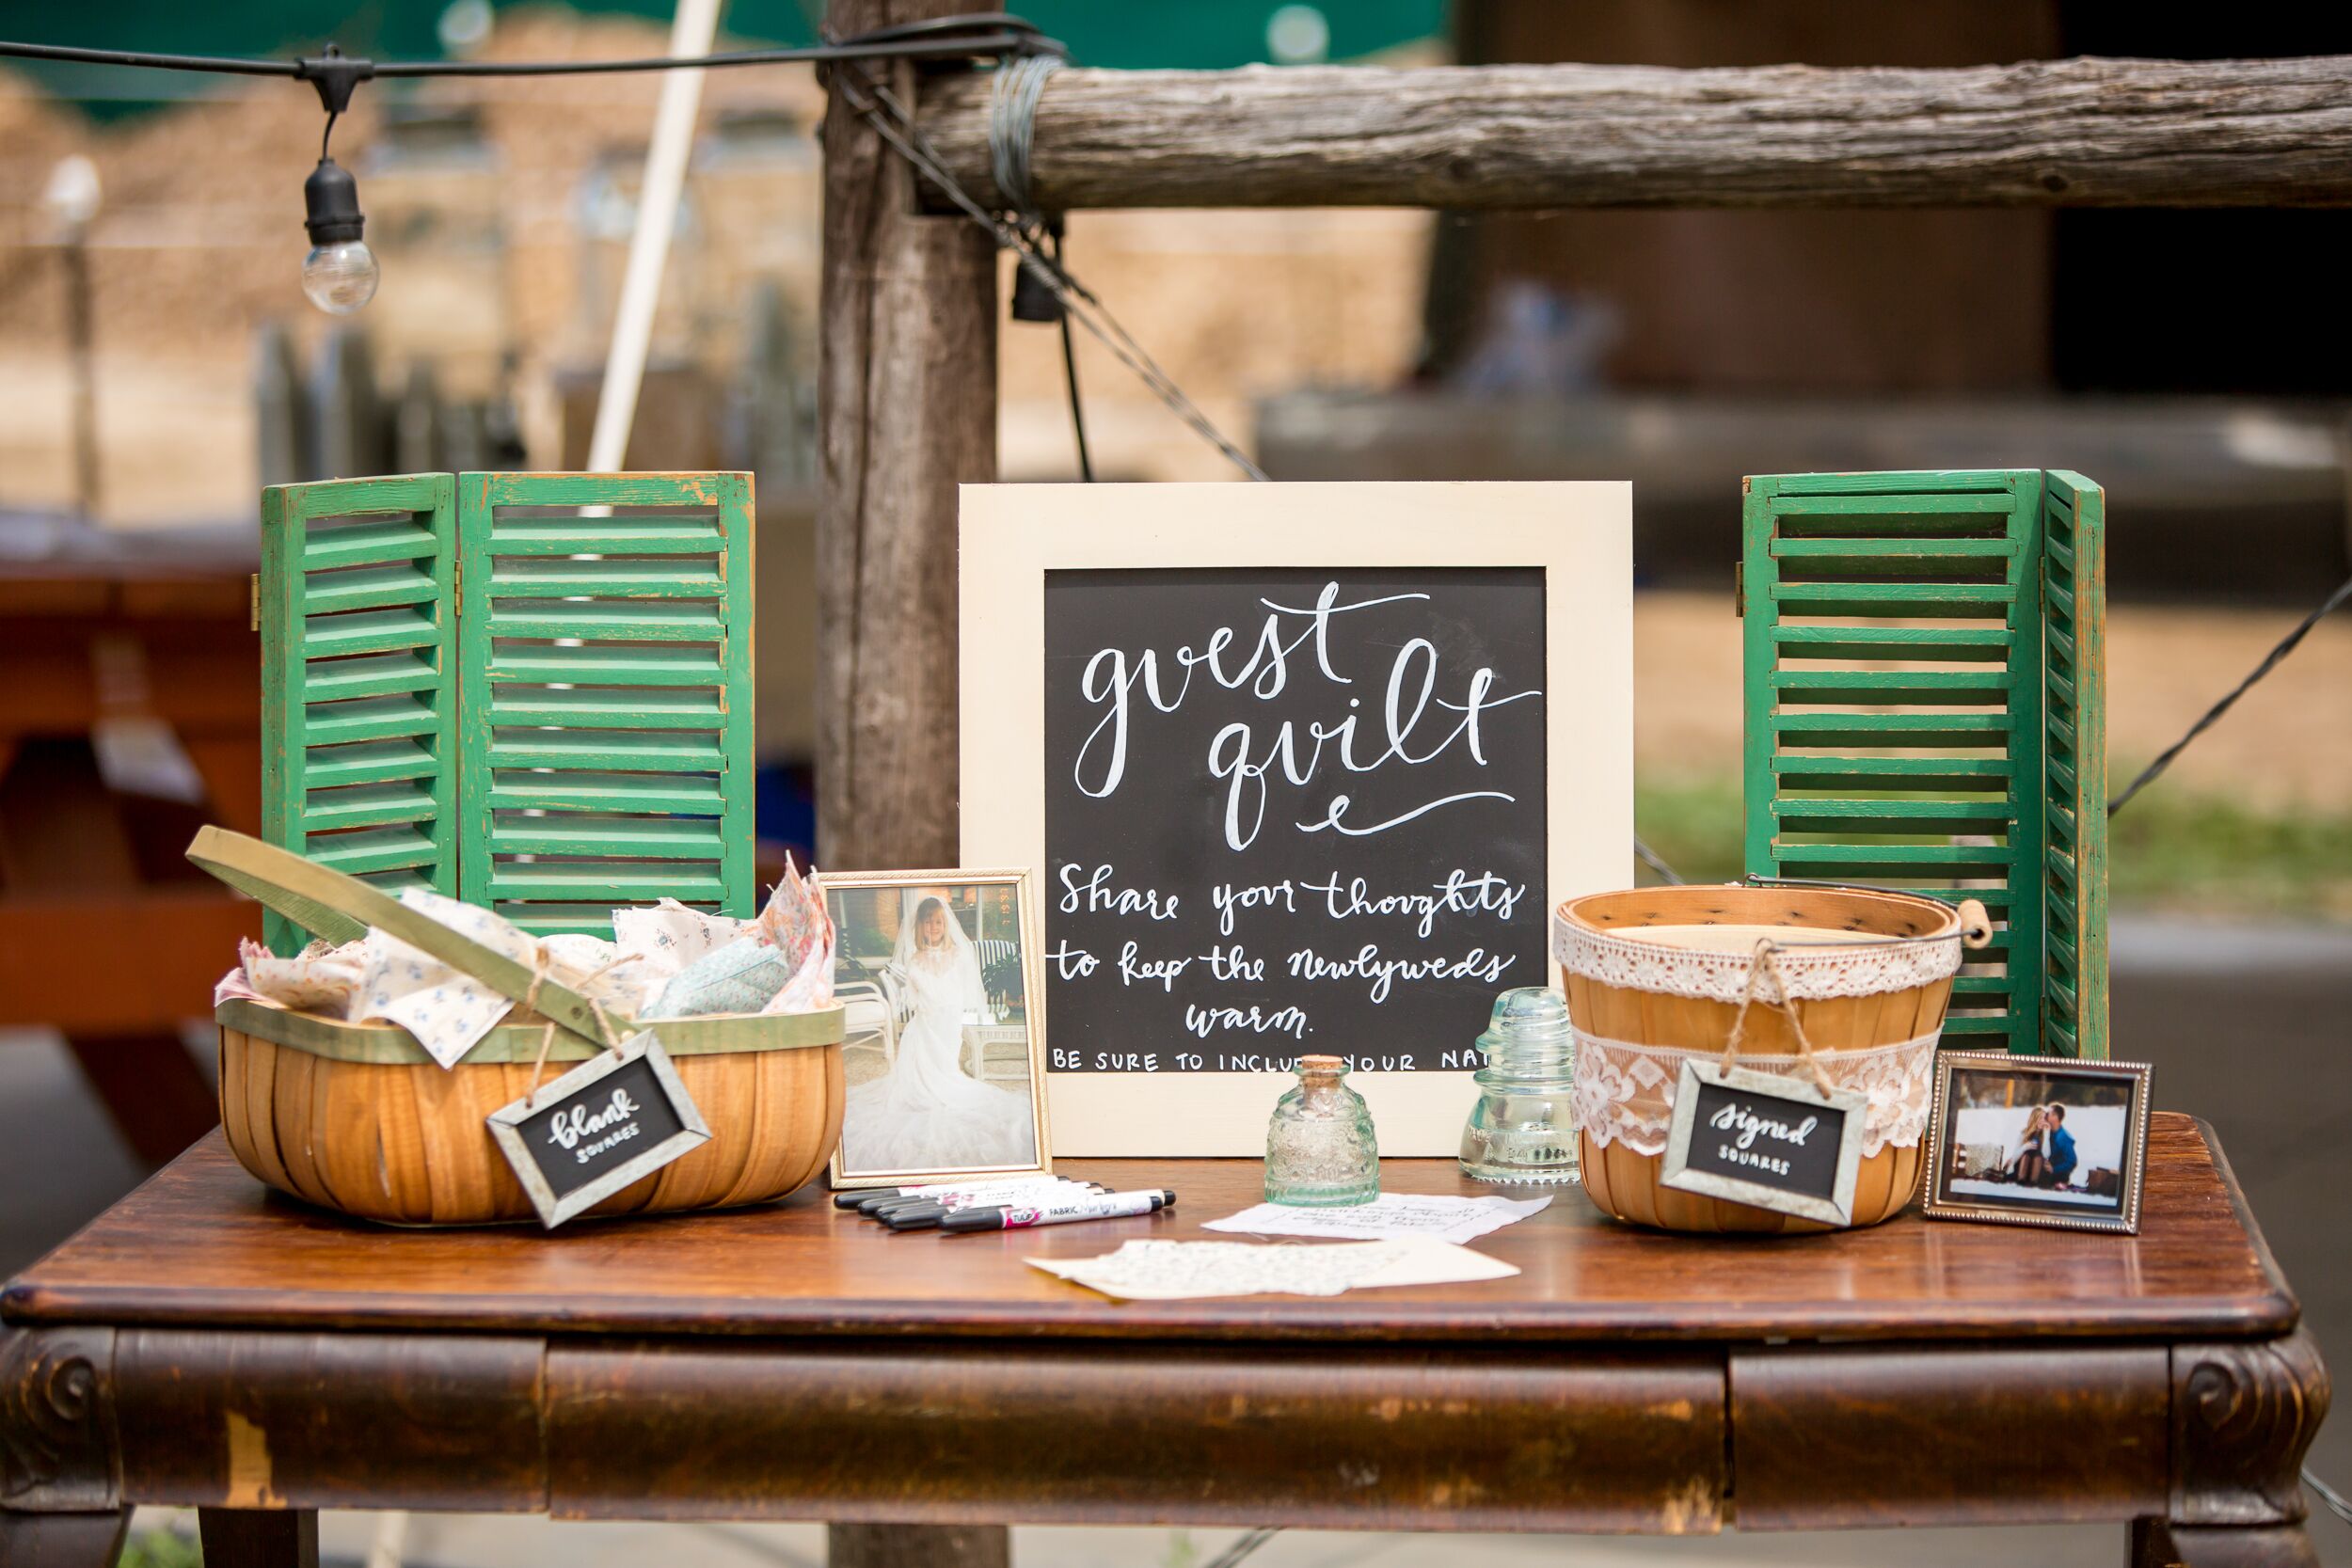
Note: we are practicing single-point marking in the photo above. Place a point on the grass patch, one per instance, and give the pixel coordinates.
(2206, 854)
(160, 1549)
(1694, 826)
(2169, 850)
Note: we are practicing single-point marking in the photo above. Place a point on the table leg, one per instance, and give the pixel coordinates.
(918, 1547)
(62, 1539)
(2244, 1414)
(258, 1537)
(2156, 1543)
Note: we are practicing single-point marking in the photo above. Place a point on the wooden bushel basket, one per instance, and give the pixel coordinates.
(1623, 1181)
(360, 1119)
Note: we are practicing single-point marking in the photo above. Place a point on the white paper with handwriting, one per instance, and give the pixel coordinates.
(1391, 1216)
(1184, 1271)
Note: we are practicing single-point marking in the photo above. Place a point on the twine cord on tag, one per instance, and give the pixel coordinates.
(1766, 960)
(531, 1005)
(540, 964)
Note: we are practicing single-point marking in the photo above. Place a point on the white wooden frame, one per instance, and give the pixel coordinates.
(1578, 533)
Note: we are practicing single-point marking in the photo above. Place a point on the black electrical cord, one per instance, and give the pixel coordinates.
(1070, 371)
(2286, 645)
(979, 33)
(150, 62)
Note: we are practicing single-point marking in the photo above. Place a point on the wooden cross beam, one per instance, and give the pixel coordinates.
(2045, 133)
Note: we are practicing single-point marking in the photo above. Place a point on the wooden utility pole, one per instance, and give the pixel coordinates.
(907, 411)
(907, 395)
(2042, 134)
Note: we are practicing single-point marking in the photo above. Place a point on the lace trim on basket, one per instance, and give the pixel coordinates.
(1860, 969)
(1625, 1093)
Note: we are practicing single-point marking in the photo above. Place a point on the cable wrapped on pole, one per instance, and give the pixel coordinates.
(879, 107)
(1014, 90)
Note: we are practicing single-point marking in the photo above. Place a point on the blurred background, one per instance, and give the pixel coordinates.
(158, 365)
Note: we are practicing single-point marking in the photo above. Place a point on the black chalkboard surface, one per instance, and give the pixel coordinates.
(1290, 811)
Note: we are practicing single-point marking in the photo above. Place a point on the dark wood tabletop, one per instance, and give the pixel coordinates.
(204, 1243)
(207, 1342)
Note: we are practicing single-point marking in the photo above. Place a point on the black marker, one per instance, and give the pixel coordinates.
(931, 1189)
(1042, 1187)
(917, 1214)
(1108, 1206)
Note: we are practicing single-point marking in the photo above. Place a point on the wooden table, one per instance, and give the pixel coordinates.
(207, 1343)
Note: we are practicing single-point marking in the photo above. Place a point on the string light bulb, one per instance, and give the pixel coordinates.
(341, 274)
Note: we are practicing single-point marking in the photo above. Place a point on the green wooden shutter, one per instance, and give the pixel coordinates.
(1905, 678)
(2075, 592)
(606, 658)
(359, 688)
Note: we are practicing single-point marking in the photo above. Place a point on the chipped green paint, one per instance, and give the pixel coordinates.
(1987, 766)
(473, 684)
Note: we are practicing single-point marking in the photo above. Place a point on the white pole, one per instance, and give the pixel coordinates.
(391, 1540)
(692, 33)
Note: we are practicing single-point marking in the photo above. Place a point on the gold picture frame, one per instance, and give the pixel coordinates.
(2001, 1195)
(879, 1007)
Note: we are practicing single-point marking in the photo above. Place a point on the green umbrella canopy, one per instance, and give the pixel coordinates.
(1196, 35)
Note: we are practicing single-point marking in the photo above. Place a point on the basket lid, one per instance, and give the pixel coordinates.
(342, 907)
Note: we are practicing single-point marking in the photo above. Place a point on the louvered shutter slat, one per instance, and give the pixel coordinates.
(360, 703)
(1895, 706)
(607, 694)
(1961, 757)
(2074, 522)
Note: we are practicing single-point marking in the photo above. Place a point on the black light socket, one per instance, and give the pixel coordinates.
(1033, 298)
(331, 202)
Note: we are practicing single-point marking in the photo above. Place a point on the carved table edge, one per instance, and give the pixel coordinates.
(2244, 1414)
(34, 1305)
(59, 1450)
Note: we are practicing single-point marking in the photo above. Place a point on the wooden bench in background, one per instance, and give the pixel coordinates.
(106, 934)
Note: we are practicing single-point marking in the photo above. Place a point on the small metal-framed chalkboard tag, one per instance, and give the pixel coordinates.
(608, 1122)
(1766, 1140)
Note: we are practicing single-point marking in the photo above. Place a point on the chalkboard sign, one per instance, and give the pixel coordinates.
(1301, 775)
(1760, 1138)
(610, 1121)
(1290, 811)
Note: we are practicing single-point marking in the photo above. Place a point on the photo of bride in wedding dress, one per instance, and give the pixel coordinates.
(956, 1089)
